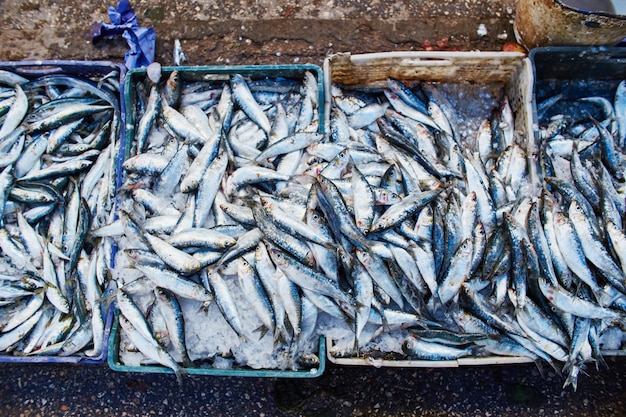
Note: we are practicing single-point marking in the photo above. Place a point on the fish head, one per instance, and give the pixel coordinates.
(387, 197)
(243, 266)
(266, 202)
(408, 345)
(278, 257)
(466, 246)
(576, 212)
(162, 294)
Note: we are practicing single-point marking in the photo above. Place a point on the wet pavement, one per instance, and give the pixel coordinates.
(35, 390)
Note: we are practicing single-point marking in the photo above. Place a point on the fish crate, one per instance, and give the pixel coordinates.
(474, 83)
(115, 363)
(210, 354)
(577, 72)
(568, 76)
(93, 73)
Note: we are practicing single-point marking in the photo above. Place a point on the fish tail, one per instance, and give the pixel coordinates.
(540, 368)
(187, 362)
(600, 362)
(572, 380)
(180, 373)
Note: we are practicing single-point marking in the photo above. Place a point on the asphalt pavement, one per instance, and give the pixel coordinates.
(511, 390)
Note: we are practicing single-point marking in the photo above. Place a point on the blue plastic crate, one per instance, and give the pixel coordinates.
(85, 70)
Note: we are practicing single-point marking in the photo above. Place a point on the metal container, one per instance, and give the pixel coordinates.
(555, 22)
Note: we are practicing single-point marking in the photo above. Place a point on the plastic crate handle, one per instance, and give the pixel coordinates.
(38, 71)
(401, 59)
(435, 62)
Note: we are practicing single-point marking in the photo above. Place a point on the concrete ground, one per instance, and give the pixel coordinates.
(264, 32)
(257, 32)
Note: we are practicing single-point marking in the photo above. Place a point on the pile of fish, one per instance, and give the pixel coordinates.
(58, 147)
(398, 221)
(195, 206)
(511, 257)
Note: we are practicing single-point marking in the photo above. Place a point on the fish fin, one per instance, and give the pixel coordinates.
(555, 367)
(279, 340)
(204, 307)
(332, 246)
(514, 300)
(572, 378)
(133, 224)
(356, 341)
(281, 337)
(187, 362)
(261, 329)
(478, 351)
(600, 362)
(385, 322)
(567, 367)
(146, 361)
(540, 368)
(435, 304)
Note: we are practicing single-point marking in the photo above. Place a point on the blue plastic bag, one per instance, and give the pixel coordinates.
(141, 40)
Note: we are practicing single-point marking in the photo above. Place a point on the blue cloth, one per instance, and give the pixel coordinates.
(141, 40)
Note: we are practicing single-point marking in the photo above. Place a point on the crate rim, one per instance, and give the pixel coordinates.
(114, 364)
(358, 58)
(231, 69)
(61, 65)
